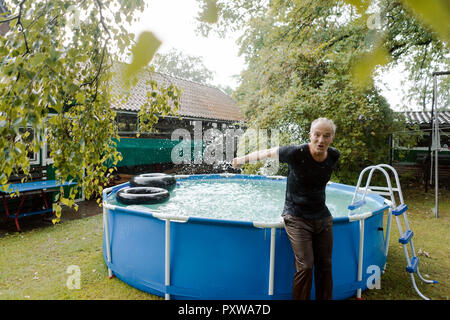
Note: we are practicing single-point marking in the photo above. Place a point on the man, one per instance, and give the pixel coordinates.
(308, 222)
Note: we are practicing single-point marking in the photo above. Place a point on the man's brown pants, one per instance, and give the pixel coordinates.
(312, 243)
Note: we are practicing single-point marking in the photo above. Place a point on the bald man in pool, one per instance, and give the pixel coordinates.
(308, 222)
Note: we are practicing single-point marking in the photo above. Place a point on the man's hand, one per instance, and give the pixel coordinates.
(238, 162)
(256, 156)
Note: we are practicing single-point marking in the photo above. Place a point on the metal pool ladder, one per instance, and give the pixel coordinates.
(406, 238)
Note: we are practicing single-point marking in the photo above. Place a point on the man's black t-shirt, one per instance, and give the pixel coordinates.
(306, 181)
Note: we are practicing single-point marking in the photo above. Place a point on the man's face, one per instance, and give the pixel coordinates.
(321, 137)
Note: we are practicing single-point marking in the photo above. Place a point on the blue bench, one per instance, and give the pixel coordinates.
(25, 189)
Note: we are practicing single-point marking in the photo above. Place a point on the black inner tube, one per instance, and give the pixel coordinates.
(142, 195)
(159, 180)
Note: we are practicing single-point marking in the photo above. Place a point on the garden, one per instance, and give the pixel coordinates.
(303, 60)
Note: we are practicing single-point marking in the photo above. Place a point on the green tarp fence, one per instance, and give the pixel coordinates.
(142, 151)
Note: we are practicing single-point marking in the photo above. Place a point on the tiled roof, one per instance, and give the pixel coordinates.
(197, 100)
(424, 117)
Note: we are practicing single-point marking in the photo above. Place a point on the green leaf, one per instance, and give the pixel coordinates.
(80, 97)
(364, 67)
(54, 54)
(210, 12)
(143, 52)
(361, 5)
(435, 14)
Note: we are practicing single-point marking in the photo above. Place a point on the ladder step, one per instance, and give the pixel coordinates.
(413, 267)
(406, 237)
(357, 204)
(400, 209)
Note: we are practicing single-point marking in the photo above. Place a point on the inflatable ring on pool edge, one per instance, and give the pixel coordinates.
(158, 180)
(142, 195)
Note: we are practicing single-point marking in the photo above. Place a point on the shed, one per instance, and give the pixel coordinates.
(202, 107)
(416, 160)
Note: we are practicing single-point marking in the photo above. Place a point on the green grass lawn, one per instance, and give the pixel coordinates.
(432, 238)
(33, 263)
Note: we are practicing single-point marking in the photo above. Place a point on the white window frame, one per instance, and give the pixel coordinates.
(45, 160)
(36, 159)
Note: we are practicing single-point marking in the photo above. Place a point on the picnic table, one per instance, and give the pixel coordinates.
(28, 188)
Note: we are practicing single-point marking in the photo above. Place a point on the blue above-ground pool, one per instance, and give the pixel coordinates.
(192, 247)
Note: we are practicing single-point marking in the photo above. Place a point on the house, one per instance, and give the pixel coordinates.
(202, 108)
(415, 161)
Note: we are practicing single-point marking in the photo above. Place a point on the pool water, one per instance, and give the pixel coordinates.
(238, 199)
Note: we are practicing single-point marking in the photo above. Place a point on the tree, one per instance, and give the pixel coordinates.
(413, 34)
(188, 67)
(393, 29)
(316, 58)
(55, 76)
